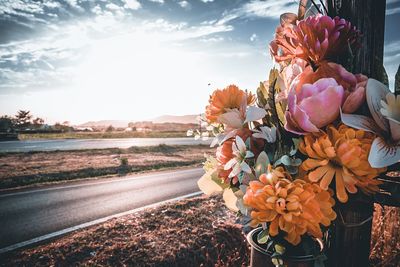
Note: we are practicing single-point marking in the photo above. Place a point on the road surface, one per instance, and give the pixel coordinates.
(31, 213)
(72, 144)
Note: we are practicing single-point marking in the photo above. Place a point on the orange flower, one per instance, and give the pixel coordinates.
(229, 98)
(294, 207)
(341, 153)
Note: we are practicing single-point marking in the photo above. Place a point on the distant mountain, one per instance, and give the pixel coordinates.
(185, 119)
(106, 123)
(176, 119)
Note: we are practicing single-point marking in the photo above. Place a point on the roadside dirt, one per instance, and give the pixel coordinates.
(194, 232)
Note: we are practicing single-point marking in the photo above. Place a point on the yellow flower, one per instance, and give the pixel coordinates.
(341, 153)
(294, 207)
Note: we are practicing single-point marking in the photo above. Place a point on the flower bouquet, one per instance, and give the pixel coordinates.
(314, 135)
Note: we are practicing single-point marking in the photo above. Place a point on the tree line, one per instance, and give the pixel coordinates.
(24, 121)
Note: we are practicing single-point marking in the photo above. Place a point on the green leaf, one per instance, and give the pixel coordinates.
(208, 185)
(261, 164)
(241, 176)
(230, 199)
(262, 237)
(262, 95)
(270, 243)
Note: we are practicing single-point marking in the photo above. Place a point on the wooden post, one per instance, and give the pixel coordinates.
(352, 236)
(369, 17)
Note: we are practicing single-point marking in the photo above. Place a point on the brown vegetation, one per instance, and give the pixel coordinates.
(18, 169)
(385, 243)
(194, 232)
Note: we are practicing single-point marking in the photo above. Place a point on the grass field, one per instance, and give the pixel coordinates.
(100, 135)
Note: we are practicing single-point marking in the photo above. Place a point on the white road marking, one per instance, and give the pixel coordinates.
(84, 225)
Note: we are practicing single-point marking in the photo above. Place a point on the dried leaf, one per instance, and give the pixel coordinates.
(262, 95)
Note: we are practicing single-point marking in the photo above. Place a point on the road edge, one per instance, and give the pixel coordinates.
(91, 223)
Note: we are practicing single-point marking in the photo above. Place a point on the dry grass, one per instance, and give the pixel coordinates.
(18, 169)
(101, 135)
(385, 242)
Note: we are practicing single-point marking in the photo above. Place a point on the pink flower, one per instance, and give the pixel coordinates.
(355, 96)
(313, 39)
(286, 77)
(354, 85)
(313, 106)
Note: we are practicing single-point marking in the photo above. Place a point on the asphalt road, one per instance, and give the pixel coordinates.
(31, 213)
(72, 144)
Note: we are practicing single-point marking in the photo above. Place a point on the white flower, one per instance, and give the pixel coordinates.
(266, 133)
(238, 163)
(237, 117)
(391, 108)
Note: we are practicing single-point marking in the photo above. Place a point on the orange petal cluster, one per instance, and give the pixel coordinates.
(341, 153)
(294, 207)
(228, 98)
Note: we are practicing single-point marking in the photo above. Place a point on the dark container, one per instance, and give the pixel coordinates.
(260, 257)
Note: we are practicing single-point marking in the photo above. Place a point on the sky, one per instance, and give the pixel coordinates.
(85, 60)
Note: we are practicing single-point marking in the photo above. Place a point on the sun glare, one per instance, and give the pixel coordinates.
(136, 70)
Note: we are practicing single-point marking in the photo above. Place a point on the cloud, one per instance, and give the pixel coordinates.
(181, 31)
(207, 1)
(392, 11)
(253, 37)
(51, 59)
(157, 1)
(261, 9)
(132, 4)
(392, 48)
(392, 59)
(185, 4)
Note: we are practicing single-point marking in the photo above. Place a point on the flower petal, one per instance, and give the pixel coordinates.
(254, 114)
(340, 189)
(377, 91)
(323, 108)
(229, 165)
(240, 144)
(360, 122)
(382, 155)
(354, 100)
(232, 119)
(245, 167)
